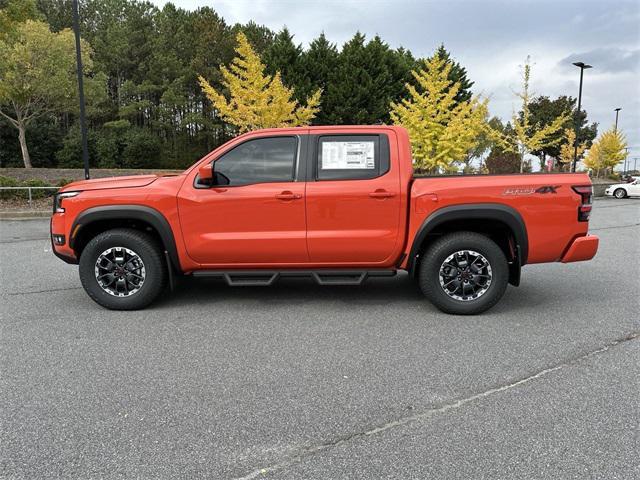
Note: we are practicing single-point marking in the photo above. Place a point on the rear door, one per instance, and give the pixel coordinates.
(352, 200)
(254, 213)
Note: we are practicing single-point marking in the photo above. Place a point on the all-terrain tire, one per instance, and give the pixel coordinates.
(435, 256)
(150, 253)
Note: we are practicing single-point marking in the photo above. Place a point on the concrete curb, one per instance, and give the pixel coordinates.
(24, 215)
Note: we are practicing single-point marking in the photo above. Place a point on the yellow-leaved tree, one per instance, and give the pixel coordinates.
(442, 131)
(525, 136)
(607, 151)
(257, 100)
(567, 150)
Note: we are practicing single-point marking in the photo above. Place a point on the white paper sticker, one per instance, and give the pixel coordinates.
(348, 155)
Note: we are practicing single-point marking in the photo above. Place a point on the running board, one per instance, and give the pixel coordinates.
(254, 278)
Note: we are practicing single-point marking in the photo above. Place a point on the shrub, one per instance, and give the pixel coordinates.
(7, 182)
(24, 194)
(38, 193)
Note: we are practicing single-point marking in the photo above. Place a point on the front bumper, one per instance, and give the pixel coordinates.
(58, 227)
(581, 249)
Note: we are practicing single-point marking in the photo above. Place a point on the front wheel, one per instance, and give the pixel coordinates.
(123, 269)
(620, 193)
(463, 273)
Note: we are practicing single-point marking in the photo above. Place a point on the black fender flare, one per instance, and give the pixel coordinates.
(130, 212)
(481, 211)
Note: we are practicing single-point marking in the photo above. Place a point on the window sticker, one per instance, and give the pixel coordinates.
(348, 155)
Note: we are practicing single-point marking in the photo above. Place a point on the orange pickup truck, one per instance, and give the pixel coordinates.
(337, 204)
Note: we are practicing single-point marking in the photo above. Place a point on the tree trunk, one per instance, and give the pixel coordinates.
(23, 146)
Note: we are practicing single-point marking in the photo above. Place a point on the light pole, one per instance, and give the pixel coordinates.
(626, 155)
(83, 120)
(582, 66)
(617, 110)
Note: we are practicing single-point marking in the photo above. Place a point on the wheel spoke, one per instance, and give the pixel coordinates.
(120, 271)
(469, 278)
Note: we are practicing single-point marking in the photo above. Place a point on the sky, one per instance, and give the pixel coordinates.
(492, 39)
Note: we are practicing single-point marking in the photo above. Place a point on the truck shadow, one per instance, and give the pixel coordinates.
(375, 291)
(381, 292)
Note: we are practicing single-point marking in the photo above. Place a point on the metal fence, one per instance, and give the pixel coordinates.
(29, 191)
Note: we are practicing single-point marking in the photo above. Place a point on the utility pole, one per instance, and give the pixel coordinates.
(617, 110)
(582, 67)
(83, 120)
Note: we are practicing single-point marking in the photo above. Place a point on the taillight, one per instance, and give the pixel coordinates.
(586, 194)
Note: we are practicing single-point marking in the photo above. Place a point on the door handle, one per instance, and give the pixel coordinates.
(286, 195)
(382, 194)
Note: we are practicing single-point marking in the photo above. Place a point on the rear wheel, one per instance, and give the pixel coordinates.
(123, 269)
(463, 273)
(620, 193)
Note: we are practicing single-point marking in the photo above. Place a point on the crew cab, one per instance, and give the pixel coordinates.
(337, 204)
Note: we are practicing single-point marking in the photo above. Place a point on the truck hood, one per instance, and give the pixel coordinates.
(128, 181)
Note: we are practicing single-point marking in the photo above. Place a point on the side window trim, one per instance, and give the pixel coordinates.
(382, 150)
(297, 168)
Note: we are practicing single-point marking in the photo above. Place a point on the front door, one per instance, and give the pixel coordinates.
(353, 200)
(254, 214)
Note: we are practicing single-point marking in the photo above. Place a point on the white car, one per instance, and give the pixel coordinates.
(623, 190)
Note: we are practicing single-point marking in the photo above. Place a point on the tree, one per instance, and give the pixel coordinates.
(37, 76)
(607, 151)
(317, 65)
(257, 100)
(527, 137)
(543, 111)
(14, 12)
(284, 56)
(567, 149)
(457, 74)
(501, 162)
(367, 77)
(441, 130)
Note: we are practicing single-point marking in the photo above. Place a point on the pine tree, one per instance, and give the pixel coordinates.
(366, 78)
(457, 74)
(285, 57)
(257, 100)
(441, 130)
(317, 64)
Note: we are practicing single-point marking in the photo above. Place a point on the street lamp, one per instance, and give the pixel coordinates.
(626, 154)
(582, 66)
(617, 110)
(83, 120)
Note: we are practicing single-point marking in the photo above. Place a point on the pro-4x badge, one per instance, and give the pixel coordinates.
(530, 190)
(548, 189)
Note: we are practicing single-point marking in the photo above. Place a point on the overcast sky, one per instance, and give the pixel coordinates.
(491, 39)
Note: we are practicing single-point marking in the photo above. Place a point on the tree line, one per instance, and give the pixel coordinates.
(160, 91)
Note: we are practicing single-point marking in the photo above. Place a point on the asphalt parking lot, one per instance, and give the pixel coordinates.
(298, 381)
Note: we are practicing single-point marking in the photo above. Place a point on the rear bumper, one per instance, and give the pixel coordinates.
(581, 249)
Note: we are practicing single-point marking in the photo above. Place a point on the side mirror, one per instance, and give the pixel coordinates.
(205, 174)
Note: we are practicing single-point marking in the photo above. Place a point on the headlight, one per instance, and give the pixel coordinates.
(57, 200)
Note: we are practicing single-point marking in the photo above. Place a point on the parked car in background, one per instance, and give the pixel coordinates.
(624, 190)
